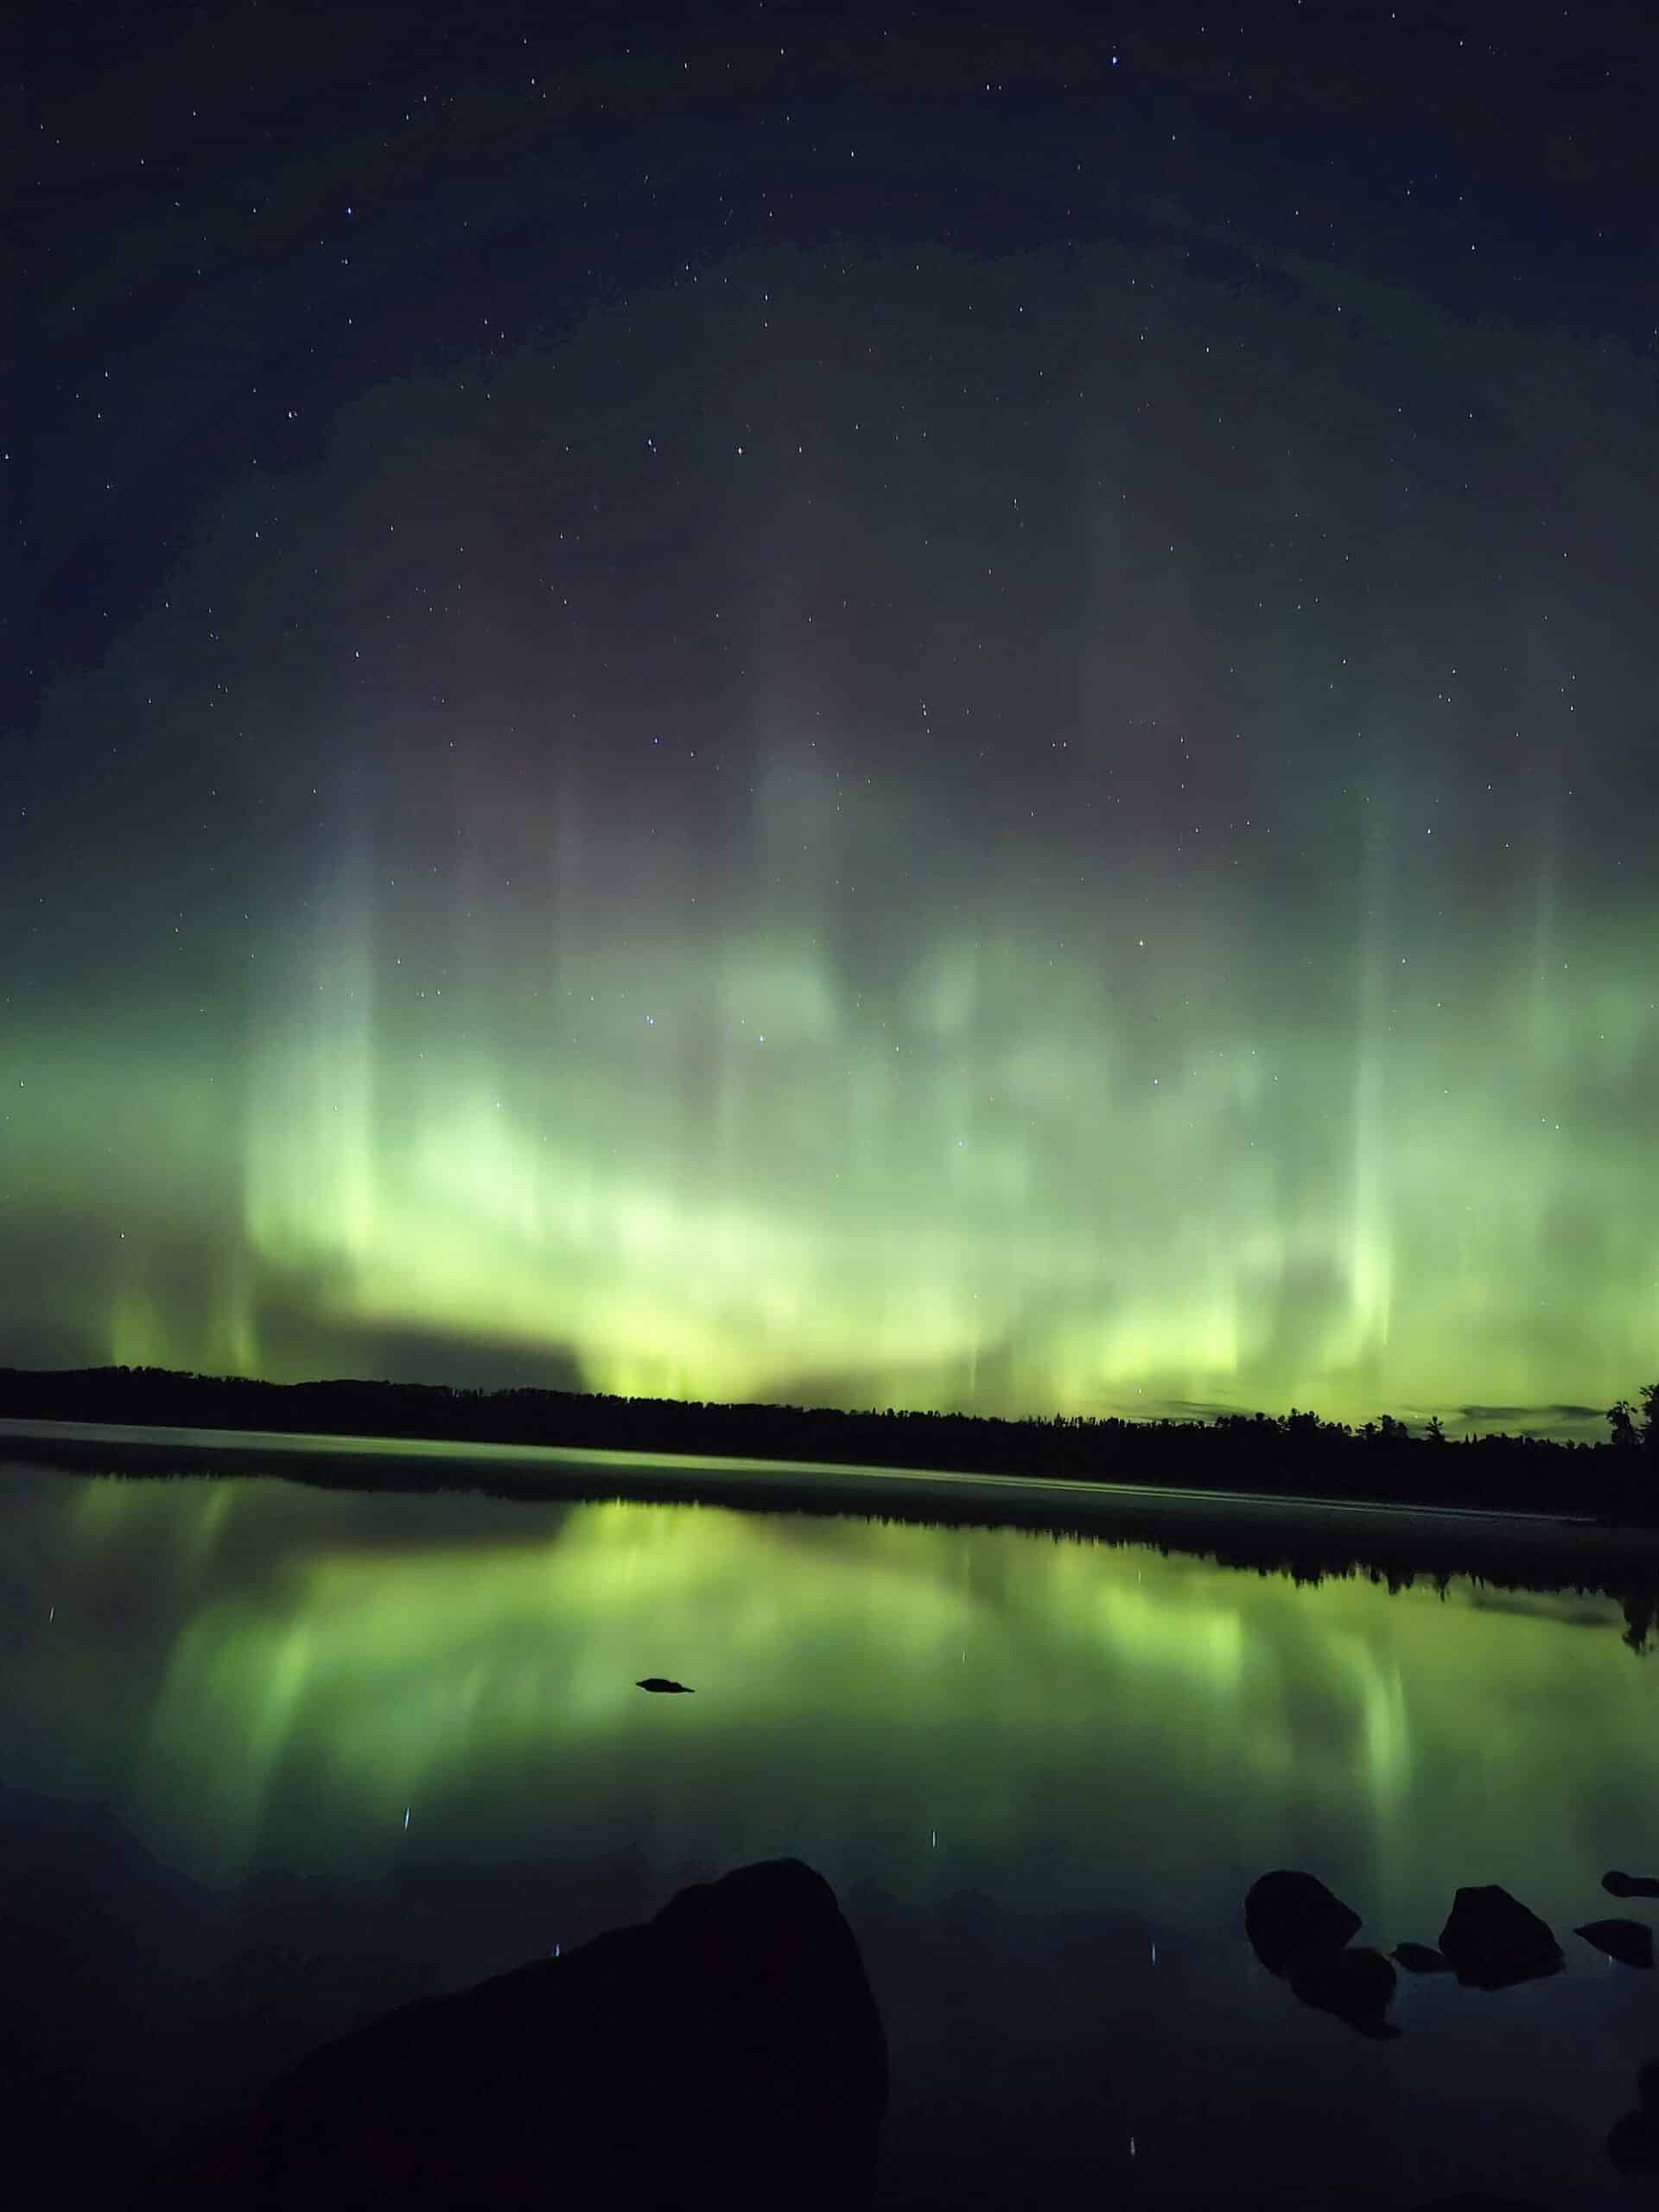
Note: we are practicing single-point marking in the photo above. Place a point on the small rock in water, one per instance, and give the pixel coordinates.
(1493, 1942)
(1630, 1885)
(1300, 1931)
(1355, 1985)
(1293, 1919)
(1629, 1942)
(662, 1682)
(1421, 1958)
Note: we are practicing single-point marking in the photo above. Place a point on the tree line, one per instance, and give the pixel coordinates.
(1385, 1459)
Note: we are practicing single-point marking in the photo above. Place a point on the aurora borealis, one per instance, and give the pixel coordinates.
(840, 740)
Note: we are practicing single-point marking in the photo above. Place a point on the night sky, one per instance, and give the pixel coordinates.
(862, 709)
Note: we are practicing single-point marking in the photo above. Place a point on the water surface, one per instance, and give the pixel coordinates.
(1040, 1771)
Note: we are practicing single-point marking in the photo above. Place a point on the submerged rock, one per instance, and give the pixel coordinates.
(1357, 1986)
(1629, 1942)
(1419, 1958)
(1291, 1920)
(1494, 1941)
(727, 2053)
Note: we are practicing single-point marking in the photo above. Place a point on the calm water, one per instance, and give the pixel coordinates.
(401, 1733)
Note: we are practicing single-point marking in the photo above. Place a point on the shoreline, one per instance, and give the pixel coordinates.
(1268, 1531)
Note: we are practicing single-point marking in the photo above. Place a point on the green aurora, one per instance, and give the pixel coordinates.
(1095, 878)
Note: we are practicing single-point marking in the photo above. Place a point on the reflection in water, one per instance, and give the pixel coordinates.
(252, 1673)
(1006, 1730)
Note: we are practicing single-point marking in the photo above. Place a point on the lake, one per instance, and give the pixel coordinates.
(276, 1757)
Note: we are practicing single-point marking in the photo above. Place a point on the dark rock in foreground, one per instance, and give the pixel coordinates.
(1620, 1885)
(1633, 2140)
(1420, 1958)
(1633, 2143)
(1493, 1942)
(727, 2053)
(1478, 2200)
(1293, 1919)
(1629, 1942)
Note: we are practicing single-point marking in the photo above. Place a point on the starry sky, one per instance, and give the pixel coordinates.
(738, 703)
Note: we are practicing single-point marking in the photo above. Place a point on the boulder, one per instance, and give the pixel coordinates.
(1493, 1942)
(1629, 1942)
(1300, 1931)
(1633, 2140)
(1293, 1919)
(727, 2053)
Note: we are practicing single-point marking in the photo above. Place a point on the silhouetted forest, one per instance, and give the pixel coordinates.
(1297, 1454)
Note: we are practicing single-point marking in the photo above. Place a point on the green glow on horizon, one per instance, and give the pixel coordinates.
(1004, 1218)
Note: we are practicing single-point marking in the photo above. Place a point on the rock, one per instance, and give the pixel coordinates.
(1493, 1942)
(1292, 1919)
(1418, 1958)
(1478, 2200)
(1357, 1986)
(727, 2053)
(1633, 2143)
(1633, 2140)
(1629, 1942)
(1300, 1931)
(660, 1682)
(1630, 1885)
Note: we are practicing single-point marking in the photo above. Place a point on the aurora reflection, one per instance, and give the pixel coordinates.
(400, 1739)
(252, 1673)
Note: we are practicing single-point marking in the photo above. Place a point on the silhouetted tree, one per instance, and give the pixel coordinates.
(1636, 1454)
(1650, 1418)
(1639, 1608)
(1621, 1419)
